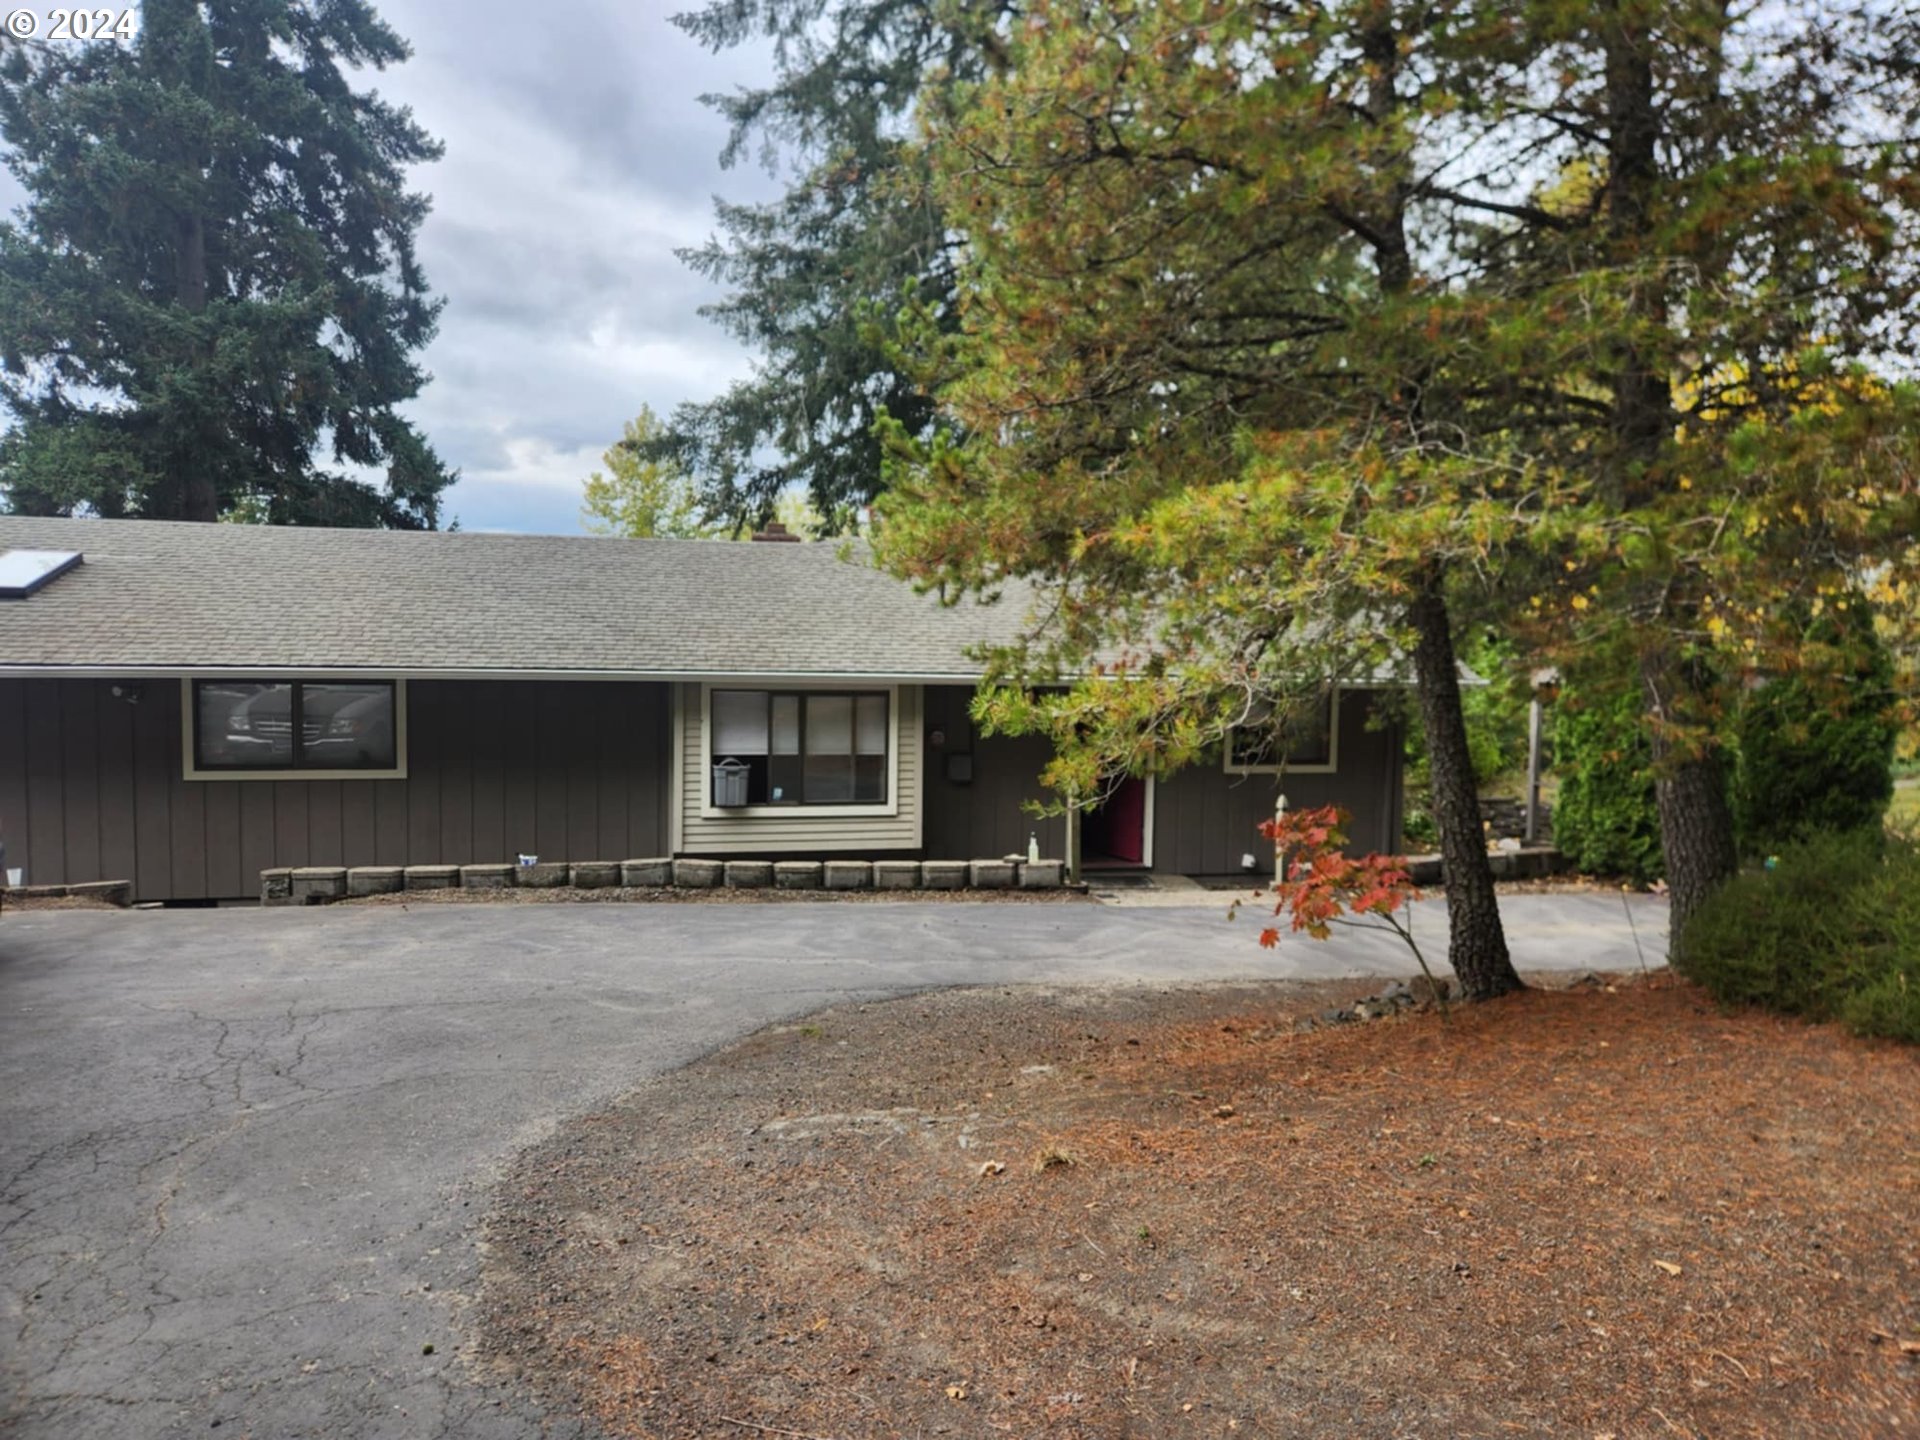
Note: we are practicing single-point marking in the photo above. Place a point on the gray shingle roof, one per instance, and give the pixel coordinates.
(242, 597)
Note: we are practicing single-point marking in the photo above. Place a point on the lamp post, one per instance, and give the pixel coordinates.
(1545, 682)
(1279, 850)
(1073, 838)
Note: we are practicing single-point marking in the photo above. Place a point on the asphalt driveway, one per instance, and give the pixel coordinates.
(244, 1150)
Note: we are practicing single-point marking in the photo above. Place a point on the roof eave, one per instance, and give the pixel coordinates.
(403, 672)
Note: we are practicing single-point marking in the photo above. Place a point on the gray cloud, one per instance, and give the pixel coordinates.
(577, 159)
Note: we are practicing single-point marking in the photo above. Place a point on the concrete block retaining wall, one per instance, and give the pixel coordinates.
(849, 875)
(316, 884)
(646, 872)
(110, 892)
(1529, 864)
(896, 874)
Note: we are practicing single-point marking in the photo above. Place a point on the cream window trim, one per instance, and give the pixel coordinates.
(1331, 767)
(191, 771)
(710, 811)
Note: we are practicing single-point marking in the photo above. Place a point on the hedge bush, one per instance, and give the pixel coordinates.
(1831, 932)
(1605, 819)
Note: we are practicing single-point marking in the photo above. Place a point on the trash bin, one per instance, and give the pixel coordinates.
(730, 784)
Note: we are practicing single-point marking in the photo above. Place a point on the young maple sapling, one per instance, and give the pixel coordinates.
(1321, 885)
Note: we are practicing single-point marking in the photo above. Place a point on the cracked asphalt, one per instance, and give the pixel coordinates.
(245, 1151)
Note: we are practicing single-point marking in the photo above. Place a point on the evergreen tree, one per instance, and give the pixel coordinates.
(213, 281)
(1196, 422)
(1709, 311)
(1815, 749)
(1278, 318)
(814, 275)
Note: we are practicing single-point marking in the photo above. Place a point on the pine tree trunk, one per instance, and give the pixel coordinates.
(1696, 822)
(1476, 940)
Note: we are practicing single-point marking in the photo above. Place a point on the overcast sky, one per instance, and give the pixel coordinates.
(578, 158)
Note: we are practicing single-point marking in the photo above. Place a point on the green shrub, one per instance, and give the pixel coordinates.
(1496, 716)
(1816, 753)
(1419, 831)
(1831, 932)
(1605, 819)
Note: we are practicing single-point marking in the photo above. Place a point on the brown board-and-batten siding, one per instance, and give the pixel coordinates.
(799, 830)
(1205, 819)
(984, 814)
(92, 786)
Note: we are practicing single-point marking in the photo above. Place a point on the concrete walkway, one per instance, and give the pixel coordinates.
(244, 1151)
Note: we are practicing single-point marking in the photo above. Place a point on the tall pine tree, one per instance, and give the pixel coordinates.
(211, 301)
(811, 275)
(1276, 317)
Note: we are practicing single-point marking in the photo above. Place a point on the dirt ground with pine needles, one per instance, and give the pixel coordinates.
(1607, 1211)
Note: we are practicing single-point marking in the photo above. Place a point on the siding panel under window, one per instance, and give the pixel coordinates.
(222, 817)
(324, 829)
(356, 823)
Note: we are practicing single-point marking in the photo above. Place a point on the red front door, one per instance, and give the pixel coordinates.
(1117, 832)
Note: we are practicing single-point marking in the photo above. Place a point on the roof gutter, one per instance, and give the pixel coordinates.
(390, 672)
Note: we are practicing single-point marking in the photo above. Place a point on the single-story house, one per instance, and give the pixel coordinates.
(187, 705)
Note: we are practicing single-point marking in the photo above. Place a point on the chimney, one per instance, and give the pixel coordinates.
(775, 532)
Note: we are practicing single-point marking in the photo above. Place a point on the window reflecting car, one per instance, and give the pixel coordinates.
(342, 726)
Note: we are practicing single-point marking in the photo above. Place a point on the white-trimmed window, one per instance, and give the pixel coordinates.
(802, 747)
(1306, 741)
(295, 729)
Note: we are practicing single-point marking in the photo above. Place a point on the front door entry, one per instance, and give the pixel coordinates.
(1115, 835)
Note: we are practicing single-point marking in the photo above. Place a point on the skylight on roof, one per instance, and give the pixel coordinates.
(24, 571)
